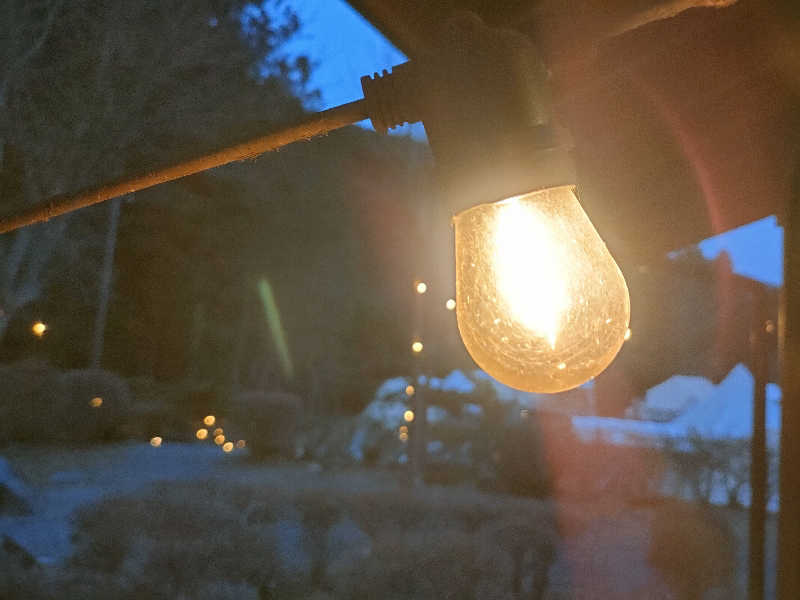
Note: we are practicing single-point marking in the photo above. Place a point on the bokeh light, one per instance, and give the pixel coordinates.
(227, 446)
(219, 440)
(403, 429)
(408, 416)
(38, 329)
(96, 402)
(409, 390)
(241, 444)
(219, 431)
(417, 347)
(210, 420)
(155, 441)
(450, 304)
(202, 433)
(421, 287)
(403, 436)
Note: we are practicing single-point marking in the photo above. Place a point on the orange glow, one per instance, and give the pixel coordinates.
(409, 390)
(403, 429)
(219, 440)
(403, 437)
(408, 416)
(227, 446)
(39, 328)
(219, 431)
(210, 420)
(241, 444)
(155, 441)
(417, 347)
(450, 304)
(201, 433)
(421, 287)
(96, 402)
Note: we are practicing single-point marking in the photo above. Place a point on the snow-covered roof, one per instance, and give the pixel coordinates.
(725, 413)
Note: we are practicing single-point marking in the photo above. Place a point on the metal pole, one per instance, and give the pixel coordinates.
(317, 124)
(789, 329)
(759, 349)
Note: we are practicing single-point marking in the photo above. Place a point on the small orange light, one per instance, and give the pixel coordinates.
(241, 444)
(219, 431)
(155, 441)
(409, 390)
(403, 437)
(96, 402)
(408, 416)
(416, 347)
(202, 433)
(219, 440)
(39, 328)
(210, 420)
(227, 446)
(403, 429)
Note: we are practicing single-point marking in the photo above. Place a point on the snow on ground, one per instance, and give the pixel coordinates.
(47, 531)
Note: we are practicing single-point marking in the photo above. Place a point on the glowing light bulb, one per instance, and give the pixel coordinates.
(542, 305)
(450, 304)
(410, 390)
(210, 420)
(421, 287)
(408, 416)
(155, 441)
(39, 329)
(416, 347)
(227, 446)
(96, 402)
(201, 433)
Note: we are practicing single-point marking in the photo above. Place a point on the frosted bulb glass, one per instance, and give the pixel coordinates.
(541, 304)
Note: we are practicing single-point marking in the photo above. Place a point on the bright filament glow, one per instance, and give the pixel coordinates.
(542, 306)
(521, 233)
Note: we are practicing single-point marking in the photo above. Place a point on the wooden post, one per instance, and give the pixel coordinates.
(759, 352)
(789, 330)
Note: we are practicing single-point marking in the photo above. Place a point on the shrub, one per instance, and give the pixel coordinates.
(42, 404)
(268, 421)
(693, 547)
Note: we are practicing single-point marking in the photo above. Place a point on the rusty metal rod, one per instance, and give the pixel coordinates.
(317, 124)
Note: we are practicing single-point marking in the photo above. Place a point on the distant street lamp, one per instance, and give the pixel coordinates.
(39, 329)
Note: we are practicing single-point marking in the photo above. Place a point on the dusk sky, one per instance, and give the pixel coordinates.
(343, 47)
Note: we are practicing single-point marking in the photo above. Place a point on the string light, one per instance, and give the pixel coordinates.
(210, 420)
(201, 434)
(155, 441)
(96, 402)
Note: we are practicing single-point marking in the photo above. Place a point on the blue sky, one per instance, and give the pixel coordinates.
(343, 47)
